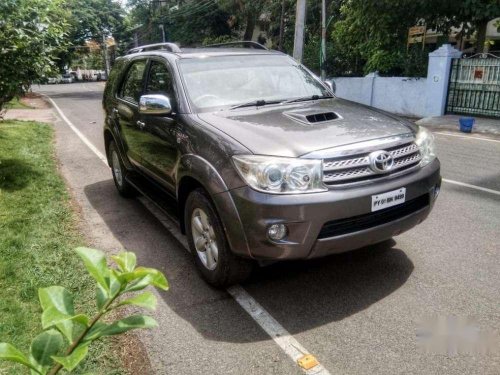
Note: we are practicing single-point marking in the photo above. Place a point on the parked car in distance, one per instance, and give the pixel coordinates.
(260, 159)
(67, 78)
(54, 80)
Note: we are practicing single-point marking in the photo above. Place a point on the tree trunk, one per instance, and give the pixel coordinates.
(250, 26)
(481, 36)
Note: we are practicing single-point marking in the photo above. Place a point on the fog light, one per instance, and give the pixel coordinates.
(277, 232)
(437, 188)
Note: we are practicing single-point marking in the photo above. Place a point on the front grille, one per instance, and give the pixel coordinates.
(356, 223)
(356, 168)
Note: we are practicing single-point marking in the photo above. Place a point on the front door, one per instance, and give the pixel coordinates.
(159, 151)
(127, 110)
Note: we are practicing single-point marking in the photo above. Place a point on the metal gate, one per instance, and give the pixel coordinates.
(474, 87)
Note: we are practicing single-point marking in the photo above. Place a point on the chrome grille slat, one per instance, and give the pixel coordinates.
(347, 163)
(410, 149)
(348, 171)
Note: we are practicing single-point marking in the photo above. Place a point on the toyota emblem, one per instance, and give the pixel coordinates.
(381, 161)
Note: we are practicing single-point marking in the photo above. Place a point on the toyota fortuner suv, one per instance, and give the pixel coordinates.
(260, 159)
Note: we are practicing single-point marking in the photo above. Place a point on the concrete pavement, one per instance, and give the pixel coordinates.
(482, 125)
(358, 313)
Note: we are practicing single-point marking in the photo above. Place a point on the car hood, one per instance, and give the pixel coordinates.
(285, 130)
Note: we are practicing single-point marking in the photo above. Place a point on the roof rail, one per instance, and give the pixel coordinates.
(172, 47)
(243, 43)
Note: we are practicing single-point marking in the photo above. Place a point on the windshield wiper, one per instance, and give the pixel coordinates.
(254, 103)
(306, 98)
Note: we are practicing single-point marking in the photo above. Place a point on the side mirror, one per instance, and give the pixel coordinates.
(331, 85)
(155, 104)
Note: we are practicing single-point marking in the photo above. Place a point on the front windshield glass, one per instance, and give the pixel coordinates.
(231, 80)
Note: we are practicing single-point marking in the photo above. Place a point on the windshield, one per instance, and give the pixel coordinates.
(231, 80)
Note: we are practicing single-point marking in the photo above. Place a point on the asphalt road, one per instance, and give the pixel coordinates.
(358, 313)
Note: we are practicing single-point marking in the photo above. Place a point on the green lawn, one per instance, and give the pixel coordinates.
(16, 104)
(38, 233)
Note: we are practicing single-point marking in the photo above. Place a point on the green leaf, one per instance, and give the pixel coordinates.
(57, 300)
(95, 262)
(58, 297)
(126, 261)
(101, 297)
(45, 345)
(138, 284)
(71, 361)
(95, 332)
(149, 276)
(52, 317)
(10, 353)
(146, 300)
(129, 323)
(120, 326)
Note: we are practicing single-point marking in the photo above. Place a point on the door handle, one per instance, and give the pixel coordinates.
(140, 124)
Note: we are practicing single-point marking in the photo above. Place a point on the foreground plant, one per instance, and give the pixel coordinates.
(66, 338)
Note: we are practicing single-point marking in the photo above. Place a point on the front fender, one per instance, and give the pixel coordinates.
(201, 170)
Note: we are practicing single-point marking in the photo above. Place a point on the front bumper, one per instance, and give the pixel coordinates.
(306, 214)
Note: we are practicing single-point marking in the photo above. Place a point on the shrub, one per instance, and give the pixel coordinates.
(67, 335)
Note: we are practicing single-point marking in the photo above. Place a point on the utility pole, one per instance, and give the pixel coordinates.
(105, 49)
(300, 19)
(282, 25)
(162, 33)
(323, 40)
(136, 40)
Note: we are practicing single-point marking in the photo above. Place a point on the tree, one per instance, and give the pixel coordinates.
(91, 20)
(31, 35)
(371, 34)
(472, 16)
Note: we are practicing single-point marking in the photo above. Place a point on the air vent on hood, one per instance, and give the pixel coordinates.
(321, 117)
(311, 117)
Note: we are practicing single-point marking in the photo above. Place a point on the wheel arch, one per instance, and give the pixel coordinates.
(195, 172)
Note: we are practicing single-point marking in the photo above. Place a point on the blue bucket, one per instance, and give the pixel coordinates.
(466, 124)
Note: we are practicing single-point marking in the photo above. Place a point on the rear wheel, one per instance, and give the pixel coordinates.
(208, 244)
(119, 173)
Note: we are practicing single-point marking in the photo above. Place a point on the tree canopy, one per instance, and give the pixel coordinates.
(32, 33)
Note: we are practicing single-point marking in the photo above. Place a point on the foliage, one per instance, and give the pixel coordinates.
(371, 34)
(63, 327)
(91, 20)
(31, 35)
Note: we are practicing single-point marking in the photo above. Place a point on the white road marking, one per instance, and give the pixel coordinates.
(491, 191)
(467, 137)
(78, 133)
(279, 334)
(276, 331)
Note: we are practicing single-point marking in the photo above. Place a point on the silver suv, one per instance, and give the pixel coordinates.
(259, 158)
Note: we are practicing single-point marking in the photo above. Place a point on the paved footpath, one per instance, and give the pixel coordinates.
(358, 313)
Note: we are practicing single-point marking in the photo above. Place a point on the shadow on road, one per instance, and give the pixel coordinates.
(300, 295)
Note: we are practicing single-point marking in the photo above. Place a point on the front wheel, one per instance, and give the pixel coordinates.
(208, 244)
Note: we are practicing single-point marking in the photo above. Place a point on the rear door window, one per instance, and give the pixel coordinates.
(132, 85)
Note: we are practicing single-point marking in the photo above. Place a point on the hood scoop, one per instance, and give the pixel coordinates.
(310, 117)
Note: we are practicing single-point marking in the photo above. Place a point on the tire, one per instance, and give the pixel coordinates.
(119, 173)
(221, 267)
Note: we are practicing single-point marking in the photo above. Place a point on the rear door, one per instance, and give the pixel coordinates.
(127, 110)
(160, 151)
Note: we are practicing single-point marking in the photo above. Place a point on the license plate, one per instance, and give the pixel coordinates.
(389, 199)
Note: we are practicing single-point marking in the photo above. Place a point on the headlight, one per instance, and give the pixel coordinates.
(281, 175)
(425, 142)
